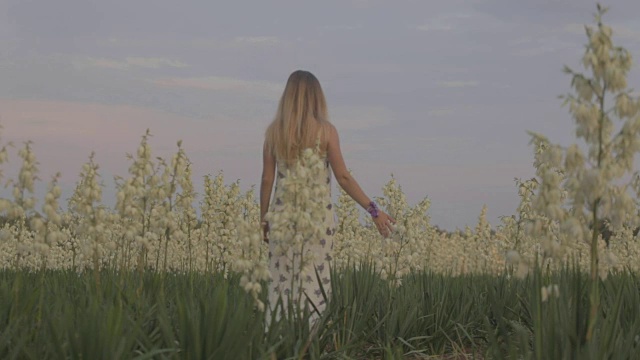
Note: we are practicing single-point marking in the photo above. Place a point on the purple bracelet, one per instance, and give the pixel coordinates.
(373, 209)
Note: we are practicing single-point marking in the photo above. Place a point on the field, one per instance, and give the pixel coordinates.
(62, 314)
(157, 277)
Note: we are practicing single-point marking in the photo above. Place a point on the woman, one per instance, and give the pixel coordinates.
(301, 119)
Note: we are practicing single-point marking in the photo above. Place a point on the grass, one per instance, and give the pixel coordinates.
(65, 315)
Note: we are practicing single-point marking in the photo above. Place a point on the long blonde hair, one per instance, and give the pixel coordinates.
(301, 118)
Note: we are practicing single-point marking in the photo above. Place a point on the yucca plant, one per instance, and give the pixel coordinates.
(579, 190)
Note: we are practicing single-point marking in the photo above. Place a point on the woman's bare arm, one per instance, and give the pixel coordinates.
(344, 178)
(383, 221)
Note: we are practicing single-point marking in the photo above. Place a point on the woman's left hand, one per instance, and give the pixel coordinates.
(384, 223)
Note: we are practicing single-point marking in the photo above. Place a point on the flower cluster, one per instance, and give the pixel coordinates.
(580, 190)
(296, 223)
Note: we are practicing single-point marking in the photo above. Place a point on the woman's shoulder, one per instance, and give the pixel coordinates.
(331, 131)
(330, 126)
(330, 134)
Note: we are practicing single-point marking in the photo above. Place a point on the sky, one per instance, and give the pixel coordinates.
(438, 94)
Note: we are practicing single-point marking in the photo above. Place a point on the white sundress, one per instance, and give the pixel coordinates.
(281, 270)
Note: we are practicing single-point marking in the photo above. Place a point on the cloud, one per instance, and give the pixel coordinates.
(128, 63)
(362, 4)
(101, 63)
(225, 84)
(626, 33)
(619, 31)
(443, 22)
(154, 63)
(256, 40)
(535, 51)
(457, 84)
(360, 117)
(545, 41)
(434, 27)
(342, 27)
(440, 112)
(65, 133)
(236, 43)
(574, 28)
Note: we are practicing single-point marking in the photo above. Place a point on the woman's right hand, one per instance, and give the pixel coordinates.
(383, 222)
(265, 231)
